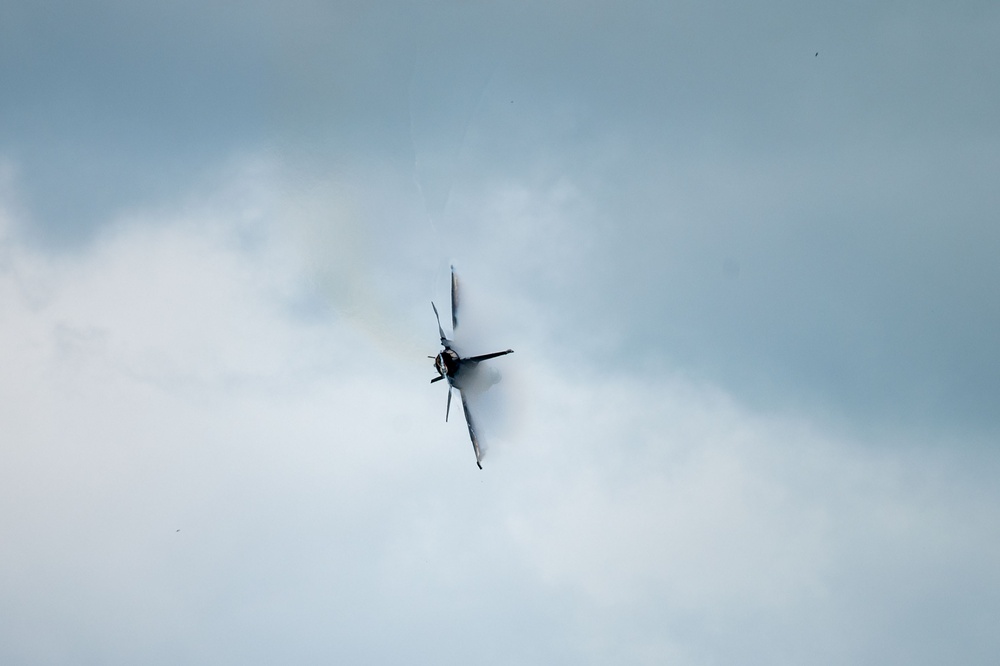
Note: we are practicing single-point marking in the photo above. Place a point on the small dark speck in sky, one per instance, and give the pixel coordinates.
(817, 54)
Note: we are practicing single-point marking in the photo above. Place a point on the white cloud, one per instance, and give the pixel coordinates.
(244, 360)
(162, 381)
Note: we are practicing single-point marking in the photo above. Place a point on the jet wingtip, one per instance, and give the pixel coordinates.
(479, 465)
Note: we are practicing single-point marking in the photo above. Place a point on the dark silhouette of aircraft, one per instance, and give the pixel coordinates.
(450, 365)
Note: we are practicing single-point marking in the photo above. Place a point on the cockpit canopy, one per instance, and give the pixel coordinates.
(447, 363)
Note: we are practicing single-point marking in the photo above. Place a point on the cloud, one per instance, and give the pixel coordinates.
(615, 159)
(166, 379)
(218, 238)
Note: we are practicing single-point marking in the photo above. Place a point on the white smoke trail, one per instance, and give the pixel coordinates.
(343, 261)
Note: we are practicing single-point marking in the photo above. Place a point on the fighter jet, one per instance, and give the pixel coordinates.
(450, 365)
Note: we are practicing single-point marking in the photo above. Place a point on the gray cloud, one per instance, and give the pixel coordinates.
(626, 516)
(750, 413)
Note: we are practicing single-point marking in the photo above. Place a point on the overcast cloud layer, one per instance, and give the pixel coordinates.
(746, 258)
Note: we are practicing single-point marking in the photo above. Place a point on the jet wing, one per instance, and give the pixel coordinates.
(472, 431)
(444, 340)
(484, 357)
(454, 300)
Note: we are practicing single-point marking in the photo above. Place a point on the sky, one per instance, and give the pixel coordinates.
(746, 257)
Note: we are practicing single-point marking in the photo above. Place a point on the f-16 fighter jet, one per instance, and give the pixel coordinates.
(451, 366)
